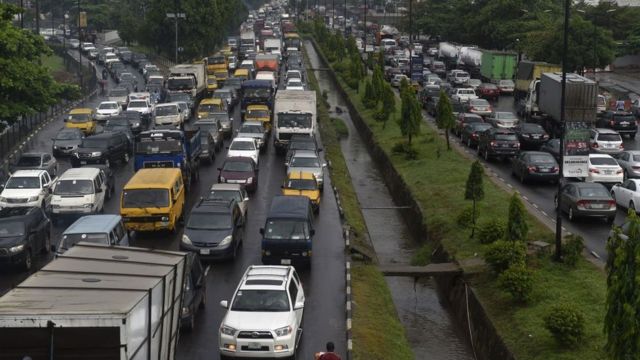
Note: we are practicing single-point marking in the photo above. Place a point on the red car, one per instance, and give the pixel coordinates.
(488, 91)
(465, 118)
(239, 170)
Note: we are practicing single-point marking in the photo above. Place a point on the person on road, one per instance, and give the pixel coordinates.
(104, 74)
(329, 354)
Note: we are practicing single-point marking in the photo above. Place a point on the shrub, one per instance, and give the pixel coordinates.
(565, 323)
(502, 255)
(403, 147)
(517, 281)
(465, 217)
(572, 249)
(491, 231)
(340, 127)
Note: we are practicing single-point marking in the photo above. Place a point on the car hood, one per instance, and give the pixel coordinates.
(243, 153)
(20, 193)
(316, 171)
(7, 242)
(66, 142)
(90, 150)
(16, 168)
(236, 175)
(207, 236)
(253, 320)
(251, 135)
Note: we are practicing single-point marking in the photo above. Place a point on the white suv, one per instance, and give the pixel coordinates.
(606, 141)
(463, 95)
(27, 188)
(265, 314)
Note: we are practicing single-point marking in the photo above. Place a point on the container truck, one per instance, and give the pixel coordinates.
(527, 72)
(168, 149)
(272, 45)
(497, 65)
(448, 53)
(581, 97)
(188, 78)
(294, 113)
(267, 62)
(97, 302)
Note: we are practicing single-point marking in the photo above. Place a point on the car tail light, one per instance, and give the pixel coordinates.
(475, 136)
(490, 109)
(493, 143)
(555, 169)
(621, 146)
(619, 171)
(612, 204)
(594, 170)
(612, 123)
(545, 136)
(532, 169)
(635, 167)
(582, 204)
(516, 145)
(594, 145)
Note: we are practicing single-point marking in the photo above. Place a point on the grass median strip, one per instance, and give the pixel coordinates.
(437, 180)
(376, 329)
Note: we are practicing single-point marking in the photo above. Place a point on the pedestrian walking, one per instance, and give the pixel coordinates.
(104, 74)
(329, 354)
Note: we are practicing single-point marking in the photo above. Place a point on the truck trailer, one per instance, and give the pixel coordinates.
(97, 302)
(497, 65)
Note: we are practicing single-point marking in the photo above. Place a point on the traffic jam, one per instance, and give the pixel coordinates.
(507, 112)
(210, 174)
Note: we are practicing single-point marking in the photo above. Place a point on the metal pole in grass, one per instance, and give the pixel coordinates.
(565, 46)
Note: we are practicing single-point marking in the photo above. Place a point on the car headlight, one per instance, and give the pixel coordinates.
(3, 199)
(54, 147)
(226, 241)
(186, 311)
(164, 218)
(222, 179)
(32, 198)
(136, 124)
(283, 331)
(227, 330)
(96, 153)
(76, 155)
(186, 240)
(16, 249)
(250, 180)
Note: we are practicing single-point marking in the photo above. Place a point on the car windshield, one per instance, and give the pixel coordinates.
(298, 161)
(29, 161)
(257, 114)
(69, 240)
(237, 166)
(261, 301)
(257, 93)
(531, 128)
(506, 137)
(506, 83)
(251, 129)
(294, 120)
(489, 86)
(211, 81)
(180, 84)
(11, 229)
(209, 221)
(242, 145)
(479, 102)
(286, 229)
(166, 110)
(225, 195)
(23, 182)
(541, 158)
(210, 108)
(627, 118)
(94, 143)
(180, 97)
(206, 126)
(73, 187)
(142, 198)
(78, 118)
(593, 192)
(462, 74)
(472, 119)
(138, 104)
(68, 135)
(505, 116)
(118, 92)
(609, 137)
(603, 161)
(158, 147)
(108, 106)
(301, 184)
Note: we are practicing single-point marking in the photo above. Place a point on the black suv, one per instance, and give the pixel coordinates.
(497, 142)
(24, 232)
(621, 121)
(214, 230)
(103, 148)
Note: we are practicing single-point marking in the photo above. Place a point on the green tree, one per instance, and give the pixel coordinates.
(368, 97)
(622, 318)
(517, 227)
(444, 116)
(377, 81)
(26, 86)
(388, 106)
(474, 189)
(411, 113)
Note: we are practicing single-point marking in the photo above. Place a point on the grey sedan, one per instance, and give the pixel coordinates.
(255, 130)
(37, 161)
(630, 162)
(586, 200)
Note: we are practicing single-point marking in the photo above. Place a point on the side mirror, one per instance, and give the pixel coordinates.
(224, 304)
(98, 191)
(299, 305)
(261, 231)
(324, 164)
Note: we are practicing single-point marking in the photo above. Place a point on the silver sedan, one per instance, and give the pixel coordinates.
(630, 162)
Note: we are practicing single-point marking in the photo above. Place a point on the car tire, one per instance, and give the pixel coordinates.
(555, 203)
(632, 207)
(611, 219)
(625, 175)
(224, 357)
(47, 243)
(203, 302)
(469, 143)
(572, 216)
(27, 263)
(523, 179)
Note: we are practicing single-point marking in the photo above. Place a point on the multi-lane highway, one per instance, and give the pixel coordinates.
(324, 283)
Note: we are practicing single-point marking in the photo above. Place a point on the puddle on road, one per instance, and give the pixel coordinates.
(429, 327)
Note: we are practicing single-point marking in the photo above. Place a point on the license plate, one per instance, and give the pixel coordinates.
(83, 162)
(544, 170)
(609, 145)
(205, 251)
(597, 206)
(536, 136)
(254, 345)
(285, 261)
(608, 172)
(624, 123)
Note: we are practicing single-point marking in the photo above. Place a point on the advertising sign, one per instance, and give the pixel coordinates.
(576, 150)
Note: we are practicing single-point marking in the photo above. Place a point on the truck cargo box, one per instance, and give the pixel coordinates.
(498, 65)
(96, 302)
(528, 71)
(580, 97)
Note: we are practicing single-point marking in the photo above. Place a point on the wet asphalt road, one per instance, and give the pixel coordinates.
(324, 283)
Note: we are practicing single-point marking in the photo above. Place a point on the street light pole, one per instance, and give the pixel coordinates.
(364, 27)
(333, 13)
(565, 47)
(80, 48)
(22, 14)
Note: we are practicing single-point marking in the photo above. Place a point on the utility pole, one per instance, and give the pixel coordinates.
(38, 17)
(345, 17)
(410, 39)
(22, 14)
(364, 26)
(80, 48)
(176, 15)
(565, 46)
(333, 13)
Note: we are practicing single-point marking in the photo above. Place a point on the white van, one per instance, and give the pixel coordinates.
(267, 75)
(388, 44)
(79, 191)
(167, 114)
